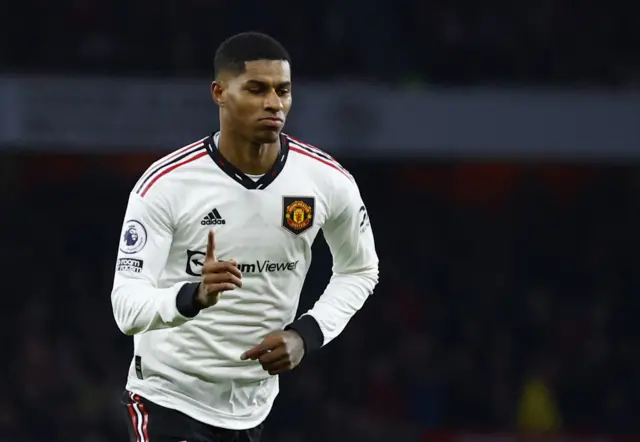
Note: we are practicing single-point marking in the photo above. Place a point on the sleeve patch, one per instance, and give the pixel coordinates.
(133, 238)
(129, 265)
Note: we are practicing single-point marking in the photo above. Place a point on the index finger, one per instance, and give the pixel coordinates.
(255, 352)
(211, 246)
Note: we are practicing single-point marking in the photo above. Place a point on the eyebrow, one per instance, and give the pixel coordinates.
(264, 83)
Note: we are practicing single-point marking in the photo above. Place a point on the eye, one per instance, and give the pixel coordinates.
(284, 91)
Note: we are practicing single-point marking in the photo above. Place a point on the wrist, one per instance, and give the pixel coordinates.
(308, 329)
(197, 298)
(187, 300)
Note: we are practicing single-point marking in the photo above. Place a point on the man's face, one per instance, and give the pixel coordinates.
(256, 102)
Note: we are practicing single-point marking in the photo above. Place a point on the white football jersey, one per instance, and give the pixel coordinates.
(189, 360)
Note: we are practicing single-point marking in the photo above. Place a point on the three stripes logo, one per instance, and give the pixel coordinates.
(213, 218)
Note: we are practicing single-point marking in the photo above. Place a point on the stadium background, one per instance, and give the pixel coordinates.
(496, 144)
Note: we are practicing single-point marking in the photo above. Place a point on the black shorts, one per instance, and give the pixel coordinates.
(149, 422)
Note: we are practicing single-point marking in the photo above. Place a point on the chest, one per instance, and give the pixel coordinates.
(278, 223)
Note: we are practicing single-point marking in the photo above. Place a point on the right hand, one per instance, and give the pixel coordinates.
(217, 276)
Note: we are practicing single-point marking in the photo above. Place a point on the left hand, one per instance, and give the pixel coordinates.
(279, 352)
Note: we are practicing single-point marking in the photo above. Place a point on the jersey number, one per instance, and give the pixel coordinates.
(364, 218)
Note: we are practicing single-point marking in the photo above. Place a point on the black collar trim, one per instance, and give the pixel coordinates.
(240, 176)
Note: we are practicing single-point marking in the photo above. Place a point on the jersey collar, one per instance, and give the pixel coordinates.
(237, 175)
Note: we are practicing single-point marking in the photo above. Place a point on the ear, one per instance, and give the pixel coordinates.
(217, 93)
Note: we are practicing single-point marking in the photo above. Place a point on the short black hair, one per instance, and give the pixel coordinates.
(235, 51)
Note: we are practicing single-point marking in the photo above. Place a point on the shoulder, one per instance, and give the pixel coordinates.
(318, 160)
(341, 187)
(165, 169)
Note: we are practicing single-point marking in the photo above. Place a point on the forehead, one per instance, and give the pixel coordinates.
(268, 71)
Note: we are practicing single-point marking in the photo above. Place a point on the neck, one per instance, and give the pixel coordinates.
(249, 157)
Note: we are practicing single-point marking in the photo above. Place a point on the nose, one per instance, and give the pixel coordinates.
(273, 102)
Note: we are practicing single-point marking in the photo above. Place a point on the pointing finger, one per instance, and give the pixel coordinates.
(211, 245)
(270, 342)
(255, 352)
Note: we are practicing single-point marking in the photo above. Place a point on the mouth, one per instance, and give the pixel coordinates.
(271, 122)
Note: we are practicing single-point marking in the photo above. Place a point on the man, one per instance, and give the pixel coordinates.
(214, 250)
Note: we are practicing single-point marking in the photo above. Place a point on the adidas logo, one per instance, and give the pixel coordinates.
(212, 218)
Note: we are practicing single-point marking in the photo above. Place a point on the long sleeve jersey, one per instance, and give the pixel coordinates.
(188, 359)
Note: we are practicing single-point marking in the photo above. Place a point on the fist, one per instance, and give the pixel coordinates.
(278, 353)
(217, 276)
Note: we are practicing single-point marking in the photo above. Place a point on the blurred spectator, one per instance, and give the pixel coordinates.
(537, 407)
(463, 41)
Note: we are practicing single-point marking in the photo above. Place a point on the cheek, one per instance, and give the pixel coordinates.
(244, 108)
(236, 113)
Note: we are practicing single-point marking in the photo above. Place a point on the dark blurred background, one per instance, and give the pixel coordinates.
(497, 145)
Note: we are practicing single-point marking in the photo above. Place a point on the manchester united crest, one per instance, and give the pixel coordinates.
(297, 215)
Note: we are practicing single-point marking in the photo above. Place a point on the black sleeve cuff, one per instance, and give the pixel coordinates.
(309, 330)
(186, 299)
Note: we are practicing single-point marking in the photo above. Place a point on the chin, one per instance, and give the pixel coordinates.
(267, 137)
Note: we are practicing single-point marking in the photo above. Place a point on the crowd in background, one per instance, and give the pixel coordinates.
(439, 41)
(506, 301)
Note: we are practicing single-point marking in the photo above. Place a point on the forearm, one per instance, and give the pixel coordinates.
(139, 307)
(344, 296)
